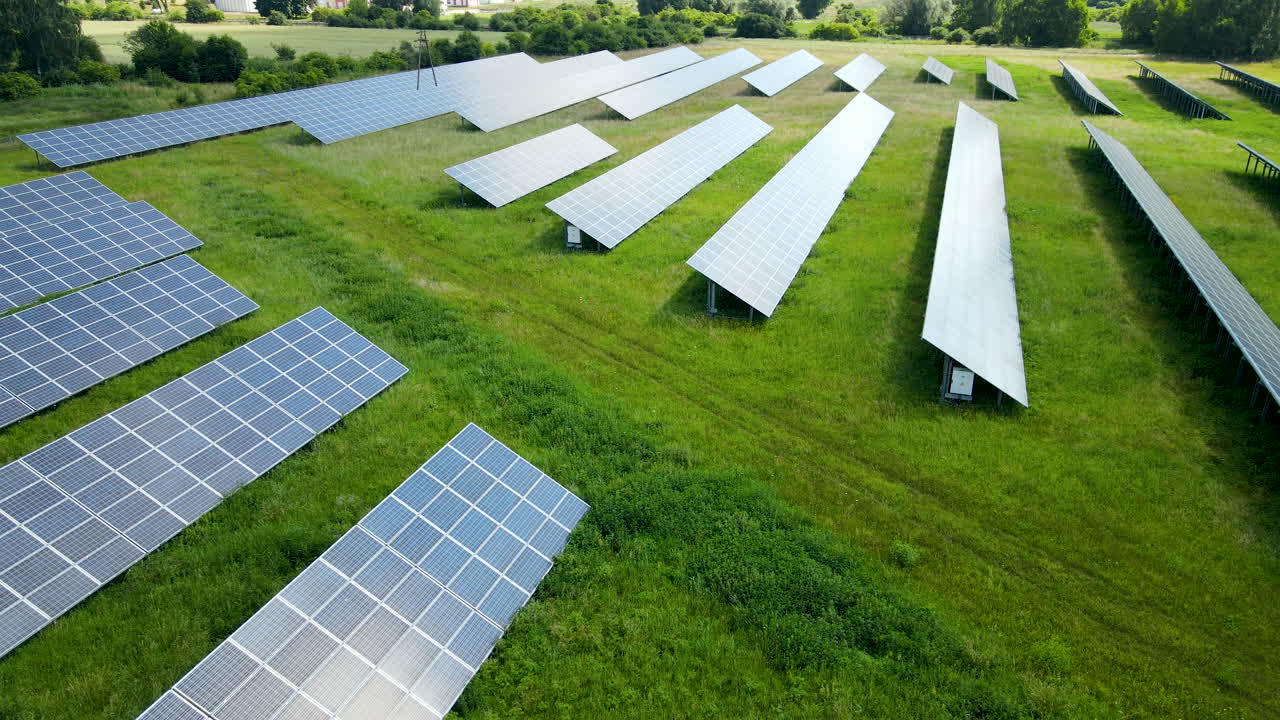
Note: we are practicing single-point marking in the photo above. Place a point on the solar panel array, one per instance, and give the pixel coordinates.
(643, 98)
(1000, 79)
(80, 510)
(781, 74)
(972, 314)
(397, 616)
(613, 206)
(511, 173)
(494, 111)
(1239, 314)
(328, 112)
(757, 253)
(936, 69)
(1256, 162)
(860, 72)
(36, 203)
(1182, 98)
(66, 254)
(1086, 91)
(1265, 89)
(51, 351)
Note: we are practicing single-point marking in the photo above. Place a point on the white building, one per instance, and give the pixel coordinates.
(236, 6)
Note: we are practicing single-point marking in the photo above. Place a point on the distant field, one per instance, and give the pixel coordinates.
(259, 38)
(1109, 553)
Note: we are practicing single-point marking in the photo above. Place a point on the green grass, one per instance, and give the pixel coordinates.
(258, 39)
(1108, 553)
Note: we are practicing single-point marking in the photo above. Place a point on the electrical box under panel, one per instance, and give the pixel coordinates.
(960, 383)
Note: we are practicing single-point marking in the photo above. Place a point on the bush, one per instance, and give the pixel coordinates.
(938, 32)
(155, 77)
(159, 45)
(284, 52)
(16, 86)
(99, 73)
(60, 76)
(467, 21)
(200, 11)
(986, 36)
(518, 41)
(320, 62)
(833, 31)
(904, 554)
(759, 25)
(466, 47)
(253, 82)
(177, 15)
(222, 58)
(345, 63)
(322, 14)
(958, 36)
(187, 97)
(277, 18)
(384, 60)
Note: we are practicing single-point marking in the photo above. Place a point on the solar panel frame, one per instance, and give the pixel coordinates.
(51, 351)
(1089, 95)
(517, 104)
(82, 509)
(936, 69)
(860, 72)
(1001, 79)
(39, 202)
(611, 207)
(1265, 89)
(972, 311)
(1249, 327)
(757, 253)
(370, 628)
(643, 98)
(1183, 99)
(782, 73)
(509, 174)
(74, 252)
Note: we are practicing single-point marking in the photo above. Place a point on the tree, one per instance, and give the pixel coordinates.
(916, 17)
(161, 46)
(38, 36)
(1138, 21)
(466, 47)
(289, 8)
(1046, 23)
(759, 25)
(1218, 28)
(550, 39)
(222, 58)
(974, 14)
(199, 11)
(810, 9)
(773, 8)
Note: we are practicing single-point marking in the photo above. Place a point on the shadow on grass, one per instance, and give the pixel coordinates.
(1265, 190)
(838, 86)
(749, 91)
(302, 138)
(453, 197)
(916, 371)
(1060, 84)
(1248, 95)
(1252, 448)
(690, 299)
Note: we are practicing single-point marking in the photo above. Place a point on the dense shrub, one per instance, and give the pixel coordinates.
(284, 52)
(915, 17)
(222, 58)
(958, 36)
(176, 15)
(345, 63)
(1046, 23)
(322, 14)
(833, 31)
(937, 32)
(986, 36)
(384, 60)
(59, 76)
(200, 11)
(97, 73)
(319, 62)
(254, 82)
(467, 21)
(160, 46)
(16, 86)
(759, 25)
(866, 22)
(517, 41)
(277, 18)
(115, 10)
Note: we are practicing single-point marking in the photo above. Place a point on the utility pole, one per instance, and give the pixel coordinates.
(422, 40)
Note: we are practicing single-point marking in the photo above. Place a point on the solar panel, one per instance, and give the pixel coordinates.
(76, 251)
(80, 510)
(1239, 314)
(516, 171)
(1183, 99)
(1086, 91)
(397, 616)
(613, 206)
(860, 72)
(757, 253)
(1265, 89)
(936, 69)
(54, 350)
(1000, 79)
(498, 110)
(643, 98)
(38, 202)
(781, 74)
(972, 314)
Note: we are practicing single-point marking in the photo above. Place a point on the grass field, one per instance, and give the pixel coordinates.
(1108, 553)
(258, 39)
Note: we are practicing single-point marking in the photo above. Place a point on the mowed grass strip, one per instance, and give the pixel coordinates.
(1115, 540)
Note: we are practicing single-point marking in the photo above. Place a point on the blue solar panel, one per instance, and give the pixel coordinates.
(35, 203)
(80, 510)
